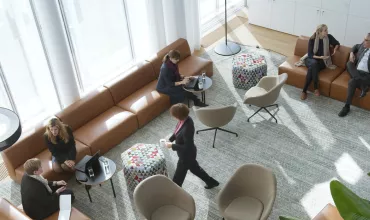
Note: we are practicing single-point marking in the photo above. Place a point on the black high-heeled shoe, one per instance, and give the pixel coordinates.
(364, 91)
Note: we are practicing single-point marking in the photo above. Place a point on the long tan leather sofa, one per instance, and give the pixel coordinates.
(9, 212)
(106, 116)
(332, 83)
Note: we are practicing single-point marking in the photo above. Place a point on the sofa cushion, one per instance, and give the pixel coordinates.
(244, 208)
(107, 130)
(297, 75)
(339, 88)
(87, 108)
(180, 45)
(193, 65)
(46, 163)
(301, 46)
(170, 212)
(339, 59)
(29, 144)
(146, 103)
(9, 212)
(131, 81)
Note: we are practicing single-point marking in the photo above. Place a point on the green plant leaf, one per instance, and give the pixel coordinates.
(349, 205)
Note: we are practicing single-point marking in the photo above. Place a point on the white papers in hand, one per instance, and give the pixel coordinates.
(65, 207)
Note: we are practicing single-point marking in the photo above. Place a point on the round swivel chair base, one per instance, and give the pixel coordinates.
(227, 49)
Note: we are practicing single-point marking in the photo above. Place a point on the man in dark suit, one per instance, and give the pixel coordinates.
(358, 67)
(185, 148)
(40, 198)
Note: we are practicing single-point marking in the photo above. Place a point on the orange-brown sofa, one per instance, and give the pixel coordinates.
(106, 116)
(9, 212)
(332, 83)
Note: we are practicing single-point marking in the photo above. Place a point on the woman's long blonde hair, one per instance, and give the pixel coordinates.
(63, 133)
(319, 29)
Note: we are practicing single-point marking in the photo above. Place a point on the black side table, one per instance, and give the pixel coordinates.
(97, 179)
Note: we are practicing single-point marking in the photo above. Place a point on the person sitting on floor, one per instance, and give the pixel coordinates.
(61, 143)
(358, 68)
(318, 57)
(40, 198)
(171, 82)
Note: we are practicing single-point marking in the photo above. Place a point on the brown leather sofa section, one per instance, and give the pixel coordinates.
(46, 163)
(9, 212)
(193, 65)
(329, 212)
(197, 64)
(107, 130)
(106, 116)
(146, 103)
(130, 82)
(75, 214)
(87, 108)
(297, 75)
(29, 144)
(339, 92)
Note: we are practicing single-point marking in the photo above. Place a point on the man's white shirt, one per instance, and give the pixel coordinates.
(362, 65)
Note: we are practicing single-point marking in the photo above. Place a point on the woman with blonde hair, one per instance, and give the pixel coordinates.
(60, 141)
(318, 57)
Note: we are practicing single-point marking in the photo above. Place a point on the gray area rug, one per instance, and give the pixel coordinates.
(308, 147)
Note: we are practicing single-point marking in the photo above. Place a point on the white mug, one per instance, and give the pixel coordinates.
(162, 142)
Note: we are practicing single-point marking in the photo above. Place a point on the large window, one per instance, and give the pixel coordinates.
(212, 13)
(100, 39)
(24, 65)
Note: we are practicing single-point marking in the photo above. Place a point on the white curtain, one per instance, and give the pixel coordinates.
(173, 19)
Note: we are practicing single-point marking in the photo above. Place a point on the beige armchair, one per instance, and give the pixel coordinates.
(249, 194)
(265, 93)
(215, 117)
(158, 198)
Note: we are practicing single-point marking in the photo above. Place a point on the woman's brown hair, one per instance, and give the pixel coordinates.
(174, 54)
(32, 165)
(63, 133)
(179, 111)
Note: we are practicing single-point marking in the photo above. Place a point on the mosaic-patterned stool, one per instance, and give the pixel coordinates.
(248, 69)
(142, 161)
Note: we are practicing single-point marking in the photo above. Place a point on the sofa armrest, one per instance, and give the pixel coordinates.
(9, 212)
(29, 145)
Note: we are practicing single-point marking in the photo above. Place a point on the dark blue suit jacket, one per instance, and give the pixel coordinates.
(184, 142)
(166, 85)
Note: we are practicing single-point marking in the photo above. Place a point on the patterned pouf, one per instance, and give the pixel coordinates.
(142, 161)
(248, 69)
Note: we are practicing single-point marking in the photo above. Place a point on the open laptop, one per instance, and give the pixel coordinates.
(192, 84)
(92, 162)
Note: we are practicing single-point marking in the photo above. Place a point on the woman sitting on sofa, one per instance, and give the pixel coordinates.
(61, 143)
(170, 82)
(318, 57)
(40, 198)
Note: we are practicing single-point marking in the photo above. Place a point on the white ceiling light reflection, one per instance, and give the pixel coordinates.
(348, 169)
(317, 198)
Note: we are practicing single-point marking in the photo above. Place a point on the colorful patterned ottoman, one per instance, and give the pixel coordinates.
(248, 69)
(142, 161)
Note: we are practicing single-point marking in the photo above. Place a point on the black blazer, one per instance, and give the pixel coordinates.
(184, 141)
(37, 201)
(359, 51)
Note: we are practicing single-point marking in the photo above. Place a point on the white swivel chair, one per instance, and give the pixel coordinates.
(158, 198)
(216, 117)
(265, 93)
